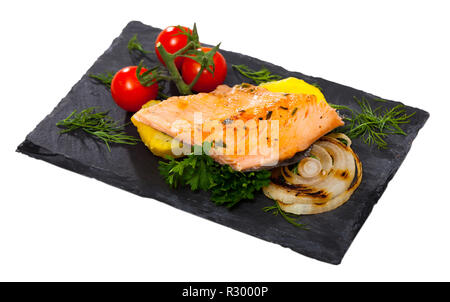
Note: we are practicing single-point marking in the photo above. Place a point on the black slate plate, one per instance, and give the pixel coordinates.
(134, 168)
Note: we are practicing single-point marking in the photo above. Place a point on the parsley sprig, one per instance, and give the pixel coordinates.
(190, 171)
(201, 172)
(98, 124)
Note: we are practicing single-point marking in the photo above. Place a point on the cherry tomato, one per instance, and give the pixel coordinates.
(172, 40)
(128, 92)
(207, 81)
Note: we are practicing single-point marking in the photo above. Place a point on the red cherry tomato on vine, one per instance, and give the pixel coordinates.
(207, 81)
(173, 40)
(128, 92)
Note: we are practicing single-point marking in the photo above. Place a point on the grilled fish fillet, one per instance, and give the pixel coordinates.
(284, 123)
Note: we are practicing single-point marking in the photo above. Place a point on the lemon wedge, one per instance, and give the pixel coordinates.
(294, 85)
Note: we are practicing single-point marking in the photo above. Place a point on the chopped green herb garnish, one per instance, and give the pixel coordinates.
(99, 125)
(294, 111)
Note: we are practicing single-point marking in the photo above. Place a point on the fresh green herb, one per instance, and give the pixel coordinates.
(261, 76)
(231, 186)
(103, 78)
(340, 107)
(294, 111)
(374, 125)
(190, 171)
(291, 218)
(150, 76)
(97, 124)
(201, 172)
(313, 156)
(134, 44)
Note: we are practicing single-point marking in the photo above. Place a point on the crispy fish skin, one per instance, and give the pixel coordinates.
(301, 120)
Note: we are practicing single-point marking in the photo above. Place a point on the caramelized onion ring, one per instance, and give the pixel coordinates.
(309, 167)
(312, 192)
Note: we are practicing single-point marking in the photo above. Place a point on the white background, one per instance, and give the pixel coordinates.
(50, 231)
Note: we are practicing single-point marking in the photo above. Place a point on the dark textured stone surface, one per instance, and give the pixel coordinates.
(134, 168)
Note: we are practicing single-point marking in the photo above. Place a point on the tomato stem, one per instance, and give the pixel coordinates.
(197, 77)
(191, 50)
(169, 60)
(190, 45)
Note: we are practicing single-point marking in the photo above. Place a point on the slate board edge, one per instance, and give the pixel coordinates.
(37, 152)
(29, 148)
(392, 173)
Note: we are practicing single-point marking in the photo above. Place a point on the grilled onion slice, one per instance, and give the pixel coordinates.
(323, 181)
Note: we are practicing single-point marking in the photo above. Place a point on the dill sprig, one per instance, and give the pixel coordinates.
(261, 76)
(374, 125)
(291, 218)
(99, 125)
(134, 44)
(104, 78)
